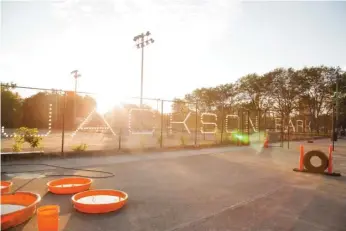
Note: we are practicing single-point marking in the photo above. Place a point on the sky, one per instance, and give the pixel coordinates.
(198, 43)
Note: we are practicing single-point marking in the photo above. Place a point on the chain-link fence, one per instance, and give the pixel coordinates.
(60, 121)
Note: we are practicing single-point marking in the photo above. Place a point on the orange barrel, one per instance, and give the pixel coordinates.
(48, 218)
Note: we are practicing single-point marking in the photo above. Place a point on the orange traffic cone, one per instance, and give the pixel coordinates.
(330, 164)
(301, 158)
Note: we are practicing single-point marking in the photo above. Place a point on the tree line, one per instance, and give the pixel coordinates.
(34, 111)
(54, 109)
(310, 91)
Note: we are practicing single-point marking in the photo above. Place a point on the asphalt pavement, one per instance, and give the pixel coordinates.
(235, 188)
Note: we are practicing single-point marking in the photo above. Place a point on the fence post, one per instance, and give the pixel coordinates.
(265, 123)
(63, 126)
(333, 125)
(282, 130)
(288, 133)
(248, 127)
(222, 118)
(161, 136)
(119, 140)
(259, 124)
(196, 123)
(240, 126)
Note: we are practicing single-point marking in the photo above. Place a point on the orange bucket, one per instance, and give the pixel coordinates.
(99, 201)
(17, 208)
(6, 186)
(48, 218)
(69, 185)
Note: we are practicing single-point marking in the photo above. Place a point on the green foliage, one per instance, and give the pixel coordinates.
(8, 86)
(254, 90)
(36, 108)
(80, 148)
(11, 106)
(26, 135)
(179, 106)
(17, 147)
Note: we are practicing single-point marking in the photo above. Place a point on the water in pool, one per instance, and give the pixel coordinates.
(67, 185)
(100, 199)
(9, 208)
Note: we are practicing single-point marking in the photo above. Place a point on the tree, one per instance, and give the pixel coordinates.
(314, 85)
(284, 90)
(206, 97)
(85, 105)
(36, 109)
(253, 91)
(225, 94)
(179, 106)
(11, 107)
(340, 77)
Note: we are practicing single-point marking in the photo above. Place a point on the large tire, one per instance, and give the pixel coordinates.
(311, 168)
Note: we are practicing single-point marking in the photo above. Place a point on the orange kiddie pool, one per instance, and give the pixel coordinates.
(99, 201)
(17, 208)
(69, 185)
(6, 186)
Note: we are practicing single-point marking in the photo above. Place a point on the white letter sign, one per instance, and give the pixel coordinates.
(181, 122)
(300, 124)
(233, 117)
(292, 126)
(254, 128)
(208, 123)
(278, 125)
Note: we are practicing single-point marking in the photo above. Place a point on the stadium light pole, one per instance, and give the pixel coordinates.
(141, 41)
(76, 75)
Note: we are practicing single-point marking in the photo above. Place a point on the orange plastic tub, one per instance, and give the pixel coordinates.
(99, 201)
(17, 208)
(48, 218)
(69, 185)
(6, 186)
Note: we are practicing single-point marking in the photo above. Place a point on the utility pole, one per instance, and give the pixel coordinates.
(141, 41)
(76, 75)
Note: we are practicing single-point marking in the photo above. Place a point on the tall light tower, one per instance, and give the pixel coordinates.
(76, 75)
(141, 41)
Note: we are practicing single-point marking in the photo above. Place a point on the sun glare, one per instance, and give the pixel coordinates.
(106, 103)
